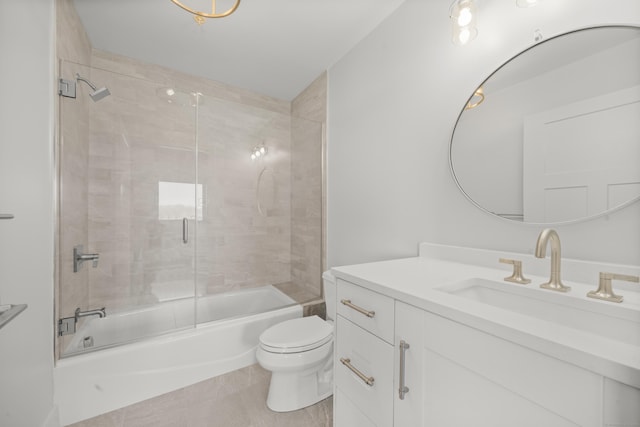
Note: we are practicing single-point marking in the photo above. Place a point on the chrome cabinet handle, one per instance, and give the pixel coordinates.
(367, 313)
(403, 389)
(6, 216)
(185, 230)
(347, 362)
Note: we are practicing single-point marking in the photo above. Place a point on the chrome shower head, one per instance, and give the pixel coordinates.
(97, 94)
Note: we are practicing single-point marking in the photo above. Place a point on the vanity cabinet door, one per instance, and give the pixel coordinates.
(621, 404)
(460, 376)
(409, 410)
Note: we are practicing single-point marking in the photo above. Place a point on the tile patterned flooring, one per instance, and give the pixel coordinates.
(236, 399)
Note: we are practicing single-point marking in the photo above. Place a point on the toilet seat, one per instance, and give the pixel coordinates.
(296, 335)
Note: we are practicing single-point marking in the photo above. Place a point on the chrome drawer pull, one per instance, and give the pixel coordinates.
(403, 388)
(367, 313)
(347, 362)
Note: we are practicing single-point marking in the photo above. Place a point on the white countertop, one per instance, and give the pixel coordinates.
(412, 281)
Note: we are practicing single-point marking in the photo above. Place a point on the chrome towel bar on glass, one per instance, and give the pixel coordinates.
(347, 362)
(368, 313)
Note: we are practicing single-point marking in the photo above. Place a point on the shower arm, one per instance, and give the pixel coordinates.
(82, 79)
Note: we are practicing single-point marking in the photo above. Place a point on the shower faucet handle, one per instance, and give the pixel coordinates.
(79, 257)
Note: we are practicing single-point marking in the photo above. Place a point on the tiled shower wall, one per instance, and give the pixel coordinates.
(138, 140)
(113, 158)
(308, 119)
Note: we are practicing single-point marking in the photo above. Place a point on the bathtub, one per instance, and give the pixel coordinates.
(91, 383)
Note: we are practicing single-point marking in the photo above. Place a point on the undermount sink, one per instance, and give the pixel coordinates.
(612, 321)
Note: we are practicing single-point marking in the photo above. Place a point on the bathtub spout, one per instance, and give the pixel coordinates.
(98, 312)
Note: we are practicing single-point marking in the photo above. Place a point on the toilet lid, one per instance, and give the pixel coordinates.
(296, 335)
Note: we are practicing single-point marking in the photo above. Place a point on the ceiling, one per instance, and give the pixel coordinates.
(273, 47)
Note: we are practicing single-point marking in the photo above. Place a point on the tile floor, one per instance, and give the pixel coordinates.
(236, 399)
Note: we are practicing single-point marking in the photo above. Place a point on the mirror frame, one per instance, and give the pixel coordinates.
(464, 108)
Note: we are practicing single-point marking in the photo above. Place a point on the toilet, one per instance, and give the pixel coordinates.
(299, 354)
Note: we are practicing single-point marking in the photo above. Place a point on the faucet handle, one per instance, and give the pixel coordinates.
(605, 289)
(516, 276)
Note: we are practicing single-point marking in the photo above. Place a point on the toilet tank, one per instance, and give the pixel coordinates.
(329, 286)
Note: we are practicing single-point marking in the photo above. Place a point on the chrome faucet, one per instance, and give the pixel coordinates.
(98, 312)
(550, 235)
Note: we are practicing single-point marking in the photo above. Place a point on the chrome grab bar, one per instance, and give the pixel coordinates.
(403, 389)
(347, 362)
(185, 230)
(367, 313)
(6, 216)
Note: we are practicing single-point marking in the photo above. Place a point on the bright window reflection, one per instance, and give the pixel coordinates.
(178, 200)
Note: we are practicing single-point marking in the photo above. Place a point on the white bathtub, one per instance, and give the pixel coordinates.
(100, 381)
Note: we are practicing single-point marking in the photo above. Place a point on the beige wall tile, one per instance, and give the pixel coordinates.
(308, 117)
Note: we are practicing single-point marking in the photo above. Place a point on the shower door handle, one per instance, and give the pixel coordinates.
(185, 230)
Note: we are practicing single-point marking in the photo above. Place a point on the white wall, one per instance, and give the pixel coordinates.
(393, 102)
(26, 190)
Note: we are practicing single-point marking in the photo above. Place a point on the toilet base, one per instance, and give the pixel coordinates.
(290, 392)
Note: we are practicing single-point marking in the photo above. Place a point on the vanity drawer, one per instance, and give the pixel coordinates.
(367, 309)
(347, 414)
(373, 358)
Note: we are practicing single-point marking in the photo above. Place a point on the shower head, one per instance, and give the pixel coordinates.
(97, 94)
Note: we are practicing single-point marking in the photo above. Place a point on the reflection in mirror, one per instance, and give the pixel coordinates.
(557, 137)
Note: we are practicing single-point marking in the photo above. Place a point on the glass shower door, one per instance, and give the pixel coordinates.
(128, 193)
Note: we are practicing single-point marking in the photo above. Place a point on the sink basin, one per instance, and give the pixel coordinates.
(612, 321)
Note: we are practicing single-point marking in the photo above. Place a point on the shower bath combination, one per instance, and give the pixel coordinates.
(67, 88)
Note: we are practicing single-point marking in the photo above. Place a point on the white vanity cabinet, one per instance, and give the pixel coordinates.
(456, 374)
(461, 376)
(364, 358)
(482, 352)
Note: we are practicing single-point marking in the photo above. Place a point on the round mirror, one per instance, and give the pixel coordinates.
(553, 135)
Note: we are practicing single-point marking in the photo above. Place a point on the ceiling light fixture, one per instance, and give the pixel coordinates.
(463, 21)
(199, 17)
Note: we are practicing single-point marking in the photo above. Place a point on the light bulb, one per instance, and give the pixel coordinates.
(262, 150)
(171, 92)
(465, 17)
(464, 36)
(253, 156)
(258, 153)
